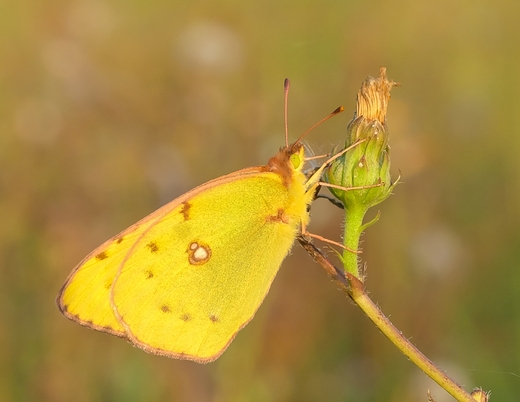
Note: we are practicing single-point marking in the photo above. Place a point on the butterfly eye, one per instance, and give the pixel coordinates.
(296, 160)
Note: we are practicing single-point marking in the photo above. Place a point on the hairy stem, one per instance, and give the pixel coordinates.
(356, 291)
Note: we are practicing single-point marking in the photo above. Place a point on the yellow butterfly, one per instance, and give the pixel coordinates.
(184, 280)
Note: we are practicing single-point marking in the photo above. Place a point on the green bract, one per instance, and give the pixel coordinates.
(367, 165)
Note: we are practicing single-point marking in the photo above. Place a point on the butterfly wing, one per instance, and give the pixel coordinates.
(184, 280)
(85, 296)
(199, 274)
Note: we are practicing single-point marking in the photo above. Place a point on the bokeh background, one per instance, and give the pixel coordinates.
(109, 109)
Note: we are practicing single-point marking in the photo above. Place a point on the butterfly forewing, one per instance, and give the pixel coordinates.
(198, 275)
(183, 280)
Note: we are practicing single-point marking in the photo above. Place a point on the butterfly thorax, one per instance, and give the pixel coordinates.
(288, 164)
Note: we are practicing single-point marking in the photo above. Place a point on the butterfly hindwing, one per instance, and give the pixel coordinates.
(85, 297)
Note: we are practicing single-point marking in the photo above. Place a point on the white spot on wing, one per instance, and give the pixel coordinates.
(198, 253)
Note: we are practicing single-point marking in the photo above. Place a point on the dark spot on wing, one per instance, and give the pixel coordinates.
(120, 239)
(165, 308)
(185, 211)
(153, 247)
(279, 217)
(102, 256)
(149, 274)
(213, 318)
(185, 317)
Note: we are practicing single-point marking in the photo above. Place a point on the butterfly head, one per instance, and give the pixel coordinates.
(287, 162)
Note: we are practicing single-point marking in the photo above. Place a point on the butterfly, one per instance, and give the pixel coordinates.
(185, 279)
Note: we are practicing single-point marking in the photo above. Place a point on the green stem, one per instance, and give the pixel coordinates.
(353, 225)
(360, 297)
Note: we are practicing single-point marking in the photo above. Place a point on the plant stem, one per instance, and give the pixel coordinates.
(360, 297)
(356, 291)
(353, 222)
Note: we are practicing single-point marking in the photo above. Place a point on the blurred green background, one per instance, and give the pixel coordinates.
(109, 109)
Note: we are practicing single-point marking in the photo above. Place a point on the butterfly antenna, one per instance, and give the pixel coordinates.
(286, 85)
(334, 113)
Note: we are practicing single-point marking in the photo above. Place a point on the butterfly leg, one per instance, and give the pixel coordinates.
(333, 201)
(307, 234)
(351, 188)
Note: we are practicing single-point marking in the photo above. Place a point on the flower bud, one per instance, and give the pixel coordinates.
(365, 167)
